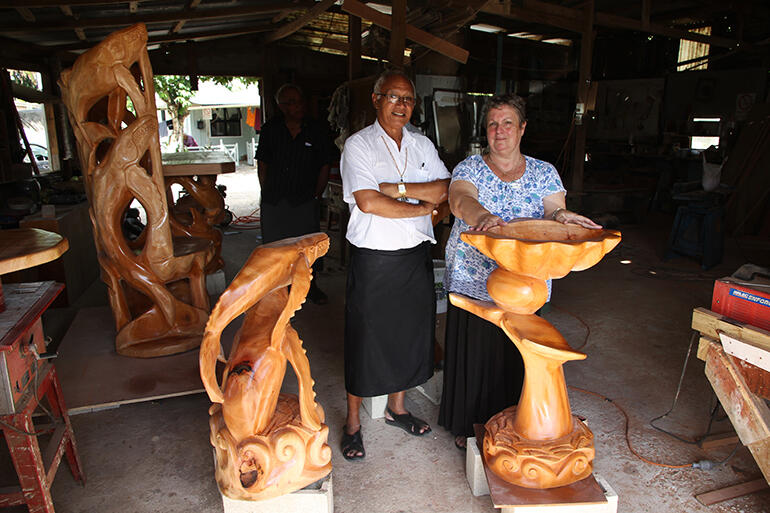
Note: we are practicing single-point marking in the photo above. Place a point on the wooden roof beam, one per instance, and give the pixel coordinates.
(293, 26)
(26, 14)
(162, 17)
(567, 18)
(549, 15)
(10, 4)
(191, 4)
(173, 38)
(421, 37)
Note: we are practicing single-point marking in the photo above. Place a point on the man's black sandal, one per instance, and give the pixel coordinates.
(408, 423)
(352, 445)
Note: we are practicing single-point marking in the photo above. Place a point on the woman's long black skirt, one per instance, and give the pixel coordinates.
(390, 319)
(483, 372)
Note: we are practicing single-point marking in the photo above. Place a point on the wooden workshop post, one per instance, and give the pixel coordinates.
(354, 47)
(584, 83)
(398, 33)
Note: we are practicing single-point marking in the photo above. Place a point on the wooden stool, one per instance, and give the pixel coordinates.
(37, 469)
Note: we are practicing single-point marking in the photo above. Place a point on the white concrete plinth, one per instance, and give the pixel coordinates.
(432, 388)
(474, 469)
(215, 283)
(313, 499)
(375, 406)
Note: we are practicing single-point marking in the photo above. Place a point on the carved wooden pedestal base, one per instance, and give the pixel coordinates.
(534, 463)
(287, 457)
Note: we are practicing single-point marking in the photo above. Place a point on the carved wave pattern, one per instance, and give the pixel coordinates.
(288, 456)
(536, 464)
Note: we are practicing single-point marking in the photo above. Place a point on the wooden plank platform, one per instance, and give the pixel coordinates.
(507, 495)
(711, 324)
(94, 376)
(731, 492)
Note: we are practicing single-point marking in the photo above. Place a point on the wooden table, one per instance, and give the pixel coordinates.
(27, 247)
(197, 213)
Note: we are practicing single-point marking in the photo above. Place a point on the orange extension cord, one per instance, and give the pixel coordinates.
(249, 222)
(628, 441)
(625, 415)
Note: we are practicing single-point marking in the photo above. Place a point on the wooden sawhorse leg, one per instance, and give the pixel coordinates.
(30, 463)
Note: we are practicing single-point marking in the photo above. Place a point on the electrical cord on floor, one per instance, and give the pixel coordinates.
(627, 422)
(700, 464)
(581, 321)
(676, 397)
(248, 222)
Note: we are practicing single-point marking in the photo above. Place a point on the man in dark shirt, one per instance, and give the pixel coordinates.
(294, 157)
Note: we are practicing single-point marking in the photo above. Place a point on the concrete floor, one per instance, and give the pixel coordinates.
(156, 457)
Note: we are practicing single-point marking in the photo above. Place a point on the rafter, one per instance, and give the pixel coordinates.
(544, 13)
(191, 4)
(173, 38)
(26, 14)
(229, 12)
(58, 3)
(300, 22)
(413, 33)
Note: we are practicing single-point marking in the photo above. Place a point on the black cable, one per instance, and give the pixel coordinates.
(676, 396)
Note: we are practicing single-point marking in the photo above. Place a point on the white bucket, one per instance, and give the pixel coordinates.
(439, 266)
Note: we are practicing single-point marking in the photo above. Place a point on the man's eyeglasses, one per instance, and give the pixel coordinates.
(394, 99)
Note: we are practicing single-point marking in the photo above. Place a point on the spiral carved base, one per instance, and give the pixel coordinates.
(286, 457)
(537, 464)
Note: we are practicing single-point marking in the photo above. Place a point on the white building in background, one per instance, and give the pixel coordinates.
(220, 116)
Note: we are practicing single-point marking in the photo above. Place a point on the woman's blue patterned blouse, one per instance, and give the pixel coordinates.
(466, 268)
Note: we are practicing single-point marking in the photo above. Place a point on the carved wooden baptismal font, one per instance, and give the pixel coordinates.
(539, 443)
(267, 443)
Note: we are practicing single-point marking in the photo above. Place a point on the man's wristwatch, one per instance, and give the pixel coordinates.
(402, 190)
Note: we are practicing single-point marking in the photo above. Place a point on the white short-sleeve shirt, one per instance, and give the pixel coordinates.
(366, 163)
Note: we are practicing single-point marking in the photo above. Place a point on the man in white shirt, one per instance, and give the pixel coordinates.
(392, 180)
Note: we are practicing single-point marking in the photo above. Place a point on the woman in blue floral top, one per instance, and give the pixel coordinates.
(483, 369)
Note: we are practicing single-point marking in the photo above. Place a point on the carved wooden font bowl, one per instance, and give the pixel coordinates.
(537, 443)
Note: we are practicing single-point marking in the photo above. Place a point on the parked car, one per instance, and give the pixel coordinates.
(41, 157)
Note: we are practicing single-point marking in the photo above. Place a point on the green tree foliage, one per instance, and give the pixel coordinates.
(175, 91)
(25, 78)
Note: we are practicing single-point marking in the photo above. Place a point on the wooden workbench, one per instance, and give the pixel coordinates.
(747, 411)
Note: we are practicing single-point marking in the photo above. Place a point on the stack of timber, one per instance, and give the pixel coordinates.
(748, 209)
(742, 388)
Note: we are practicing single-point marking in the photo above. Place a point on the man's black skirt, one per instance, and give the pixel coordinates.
(390, 319)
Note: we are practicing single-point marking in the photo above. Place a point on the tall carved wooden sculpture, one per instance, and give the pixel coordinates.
(539, 443)
(267, 443)
(157, 292)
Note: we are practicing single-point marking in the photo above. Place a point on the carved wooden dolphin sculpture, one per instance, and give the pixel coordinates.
(254, 373)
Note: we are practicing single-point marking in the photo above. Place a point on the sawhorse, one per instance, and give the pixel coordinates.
(37, 469)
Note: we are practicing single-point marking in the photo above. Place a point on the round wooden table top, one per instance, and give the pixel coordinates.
(27, 247)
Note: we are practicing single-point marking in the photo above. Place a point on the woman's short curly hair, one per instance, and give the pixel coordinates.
(511, 100)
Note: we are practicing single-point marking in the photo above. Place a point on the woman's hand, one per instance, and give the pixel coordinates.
(565, 216)
(487, 221)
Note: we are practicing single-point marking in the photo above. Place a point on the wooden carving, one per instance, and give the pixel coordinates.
(157, 292)
(267, 443)
(197, 213)
(538, 443)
